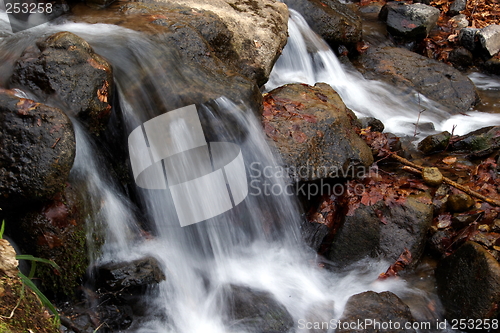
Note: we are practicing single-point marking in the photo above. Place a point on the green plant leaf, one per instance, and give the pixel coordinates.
(45, 301)
(32, 258)
(2, 229)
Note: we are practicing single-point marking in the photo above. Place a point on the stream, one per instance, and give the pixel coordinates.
(257, 243)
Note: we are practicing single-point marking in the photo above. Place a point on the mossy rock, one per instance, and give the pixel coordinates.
(29, 314)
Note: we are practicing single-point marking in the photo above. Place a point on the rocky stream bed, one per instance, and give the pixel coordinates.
(427, 206)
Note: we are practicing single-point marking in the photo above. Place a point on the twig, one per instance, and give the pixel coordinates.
(415, 168)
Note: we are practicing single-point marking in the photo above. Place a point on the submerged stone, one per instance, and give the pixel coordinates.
(257, 310)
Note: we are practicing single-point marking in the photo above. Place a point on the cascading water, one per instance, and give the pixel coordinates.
(308, 59)
(256, 244)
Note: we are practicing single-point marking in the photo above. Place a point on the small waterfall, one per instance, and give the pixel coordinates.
(308, 59)
(256, 244)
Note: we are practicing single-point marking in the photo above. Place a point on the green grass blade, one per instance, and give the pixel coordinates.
(45, 261)
(43, 298)
(2, 229)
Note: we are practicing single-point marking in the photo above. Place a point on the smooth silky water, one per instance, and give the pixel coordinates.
(256, 244)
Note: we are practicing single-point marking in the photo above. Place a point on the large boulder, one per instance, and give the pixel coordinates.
(379, 219)
(64, 70)
(37, 149)
(334, 21)
(257, 310)
(468, 283)
(409, 21)
(371, 308)
(250, 34)
(433, 79)
(314, 132)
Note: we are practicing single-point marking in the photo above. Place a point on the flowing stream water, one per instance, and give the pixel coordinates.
(256, 244)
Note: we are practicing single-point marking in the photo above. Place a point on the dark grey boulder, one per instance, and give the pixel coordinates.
(314, 132)
(383, 307)
(468, 283)
(334, 21)
(363, 234)
(433, 79)
(467, 38)
(409, 21)
(63, 69)
(138, 273)
(37, 149)
(456, 7)
(435, 143)
(256, 309)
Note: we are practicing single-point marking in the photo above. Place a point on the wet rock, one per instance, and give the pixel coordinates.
(483, 139)
(461, 57)
(37, 149)
(409, 21)
(314, 132)
(432, 176)
(456, 7)
(468, 283)
(374, 124)
(434, 143)
(64, 70)
(460, 202)
(467, 38)
(382, 307)
(314, 233)
(56, 230)
(257, 310)
(335, 22)
(130, 275)
(489, 39)
(435, 80)
(258, 28)
(460, 221)
(381, 231)
(441, 241)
